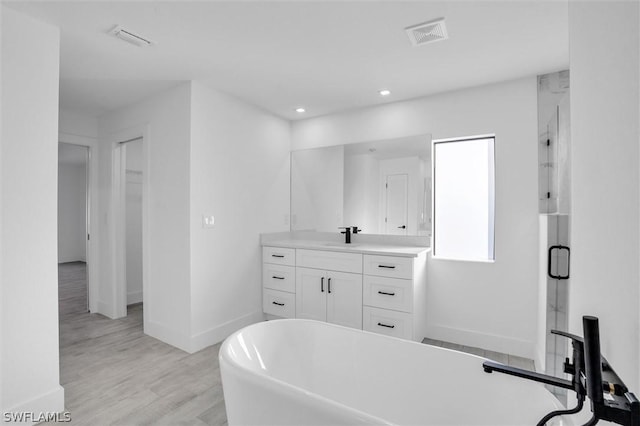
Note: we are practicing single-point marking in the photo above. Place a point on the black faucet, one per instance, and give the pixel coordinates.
(575, 369)
(347, 234)
(587, 369)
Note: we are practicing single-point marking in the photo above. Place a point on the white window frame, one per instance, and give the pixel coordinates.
(490, 198)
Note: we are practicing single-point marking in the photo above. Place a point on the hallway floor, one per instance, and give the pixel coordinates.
(114, 374)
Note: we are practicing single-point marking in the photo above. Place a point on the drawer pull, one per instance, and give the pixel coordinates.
(386, 294)
(386, 325)
(386, 267)
(329, 285)
(322, 285)
(279, 304)
(277, 255)
(277, 278)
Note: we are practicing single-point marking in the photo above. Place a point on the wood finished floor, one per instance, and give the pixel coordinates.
(114, 374)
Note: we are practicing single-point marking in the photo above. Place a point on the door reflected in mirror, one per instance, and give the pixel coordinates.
(383, 187)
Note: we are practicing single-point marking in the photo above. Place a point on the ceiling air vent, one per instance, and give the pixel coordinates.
(130, 36)
(427, 32)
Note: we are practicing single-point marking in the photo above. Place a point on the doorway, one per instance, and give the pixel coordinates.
(129, 171)
(73, 227)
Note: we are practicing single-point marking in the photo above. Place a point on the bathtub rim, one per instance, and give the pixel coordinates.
(255, 375)
(251, 375)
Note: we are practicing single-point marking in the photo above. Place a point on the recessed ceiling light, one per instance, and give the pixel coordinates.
(300, 110)
(384, 92)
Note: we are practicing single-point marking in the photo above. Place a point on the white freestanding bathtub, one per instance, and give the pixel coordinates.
(302, 372)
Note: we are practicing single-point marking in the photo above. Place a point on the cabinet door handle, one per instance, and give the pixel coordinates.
(329, 285)
(386, 266)
(277, 255)
(322, 285)
(386, 294)
(386, 325)
(279, 304)
(277, 278)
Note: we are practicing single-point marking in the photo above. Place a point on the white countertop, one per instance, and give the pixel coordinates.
(355, 247)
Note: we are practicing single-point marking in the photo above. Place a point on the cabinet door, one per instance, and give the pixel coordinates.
(344, 299)
(311, 291)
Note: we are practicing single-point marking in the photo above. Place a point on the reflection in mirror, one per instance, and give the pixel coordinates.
(383, 187)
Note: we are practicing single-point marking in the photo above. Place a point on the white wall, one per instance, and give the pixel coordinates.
(473, 303)
(29, 334)
(207, 154)
(2, 404)
(317, 188)
(240, 174)
(165, 118)
(605, 200)
(72, 210)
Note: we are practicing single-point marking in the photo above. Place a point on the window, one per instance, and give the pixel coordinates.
(464, 198)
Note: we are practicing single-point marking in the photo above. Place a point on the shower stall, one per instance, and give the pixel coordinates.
(554, 162)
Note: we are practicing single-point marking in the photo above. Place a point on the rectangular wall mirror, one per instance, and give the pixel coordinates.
(383, 187)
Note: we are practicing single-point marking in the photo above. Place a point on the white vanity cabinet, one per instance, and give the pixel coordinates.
(329, 287)
(394, 296)
(331, 296)
(279, 282)
(380, 293)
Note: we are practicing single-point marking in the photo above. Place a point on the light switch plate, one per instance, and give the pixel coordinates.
(208, 221)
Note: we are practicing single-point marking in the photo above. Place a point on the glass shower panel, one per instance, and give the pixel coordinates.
(554, 165)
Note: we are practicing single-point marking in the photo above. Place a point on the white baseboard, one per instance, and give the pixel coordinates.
(168, 335)
(50, 402)
(202, 340)
(219, 333)
(540, 359)
(106, 310)
(135, 297)
(68, 259)
(492, 342)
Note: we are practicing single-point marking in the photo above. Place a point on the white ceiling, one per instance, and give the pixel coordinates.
(327, 56)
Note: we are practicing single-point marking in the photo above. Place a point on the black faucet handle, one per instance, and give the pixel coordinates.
(346, 229)
(568, 336)
(356, 230)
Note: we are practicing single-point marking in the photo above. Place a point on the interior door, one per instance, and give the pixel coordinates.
(396, 196)
(344, 299)
(311, 291)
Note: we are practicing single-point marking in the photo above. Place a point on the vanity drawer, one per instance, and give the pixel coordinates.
(388, 266)
(388, 293)
(329, 260)
(279, 303)
(384, 321)
(279, 277)
(279, 255)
